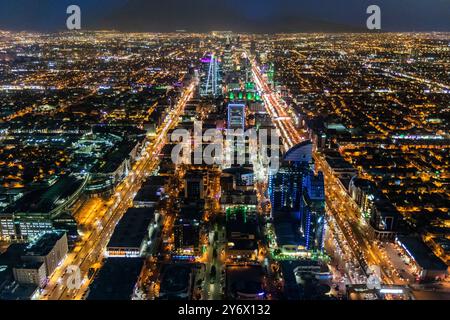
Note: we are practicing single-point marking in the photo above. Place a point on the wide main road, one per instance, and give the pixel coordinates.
(276, 108)
(346, 213)
(91, 249)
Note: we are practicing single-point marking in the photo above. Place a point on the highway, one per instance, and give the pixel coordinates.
(276, 108)
(89, 252)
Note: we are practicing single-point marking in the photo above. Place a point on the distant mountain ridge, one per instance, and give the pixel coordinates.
(207, 15)
(259, 16)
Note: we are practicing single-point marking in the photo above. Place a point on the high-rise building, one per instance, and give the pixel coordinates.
(50, 248)
(295, 189)
(285, 186)
(187, 229)
(237, 148)
(271, 74)
(31, 273)
(236, 116)
(253, 47)
(313, 211)
(242, 233)
(194, 186)
(228, 57)
(375, 208)
(210, 79)
(186, 236)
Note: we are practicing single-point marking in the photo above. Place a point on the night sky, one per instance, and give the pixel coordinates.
(235, 15)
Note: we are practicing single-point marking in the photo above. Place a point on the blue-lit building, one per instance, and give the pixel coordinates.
(285, 186)
(298, 200)
(313, 211)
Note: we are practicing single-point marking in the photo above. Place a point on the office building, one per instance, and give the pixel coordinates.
(152, 192)
(134, 233)
(210, 78)
(285, 187)
(313, 211)
(427, 265)
(187, 237)
(117, 280)
(176, 281)
(50, 248)
(245, 282)
(194, 186)
(236, 116)
(242, 234)
(33, 273)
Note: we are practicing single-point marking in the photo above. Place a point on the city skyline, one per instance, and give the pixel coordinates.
(177, 166)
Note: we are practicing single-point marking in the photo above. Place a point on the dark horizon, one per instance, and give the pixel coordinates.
(251, 16)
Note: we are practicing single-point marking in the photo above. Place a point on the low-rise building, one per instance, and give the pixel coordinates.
(426, 264)
(151, 193)
(134, 232)
(117, 280)
(245, 282)
(176, 281)
(35, 213)
(31, 273)
(242, 234)
(51, 248)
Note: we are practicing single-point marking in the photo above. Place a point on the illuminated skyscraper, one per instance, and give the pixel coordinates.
(271, 74)
(236, 116)
(186, 236)
(227, 57)
(236, 150)
(210, 77)
(285, 187)
(295, 189)
(313, 211)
